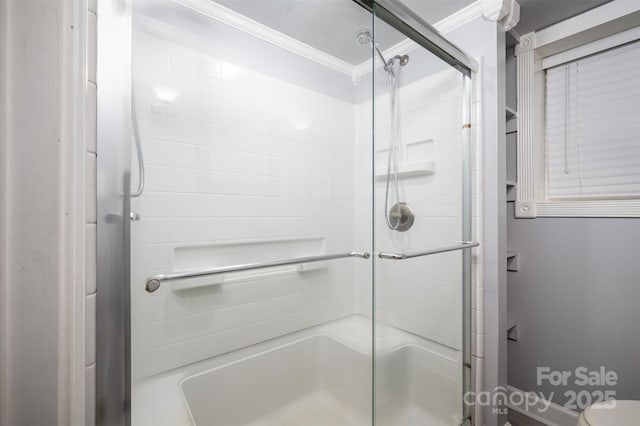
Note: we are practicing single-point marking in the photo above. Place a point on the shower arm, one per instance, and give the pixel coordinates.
(384, 61)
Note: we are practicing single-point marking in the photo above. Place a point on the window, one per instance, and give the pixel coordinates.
(592, 117)
(578, 115)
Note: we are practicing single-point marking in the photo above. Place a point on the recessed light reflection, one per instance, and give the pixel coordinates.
(228, 71)
(166, 94)
(301, 125)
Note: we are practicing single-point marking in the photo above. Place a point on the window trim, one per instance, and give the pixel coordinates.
(593, 26)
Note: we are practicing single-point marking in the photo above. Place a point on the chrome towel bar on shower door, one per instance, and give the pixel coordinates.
(153, 283)
(402, 256)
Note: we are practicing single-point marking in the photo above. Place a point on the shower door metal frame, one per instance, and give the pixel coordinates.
(113, 355)
(114, 51)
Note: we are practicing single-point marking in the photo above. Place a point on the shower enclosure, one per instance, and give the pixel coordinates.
(285, 215)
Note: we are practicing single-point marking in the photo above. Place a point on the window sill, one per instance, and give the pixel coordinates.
(591, 208)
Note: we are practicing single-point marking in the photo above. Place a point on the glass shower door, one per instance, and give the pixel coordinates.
(421, 222)
(250, 248)
(286, 267)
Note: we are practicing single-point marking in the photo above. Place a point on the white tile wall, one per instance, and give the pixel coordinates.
(90, 322)
(92, 43)
(90, 250)
(90, 212)
(90, 395)
(240, 157)
(477, 347)
(423, 295)
(235, 156)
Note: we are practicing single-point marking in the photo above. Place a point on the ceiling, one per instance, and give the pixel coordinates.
(538, 14)
(327, 25)
(534, 14)
(331, 25)
(433, 11)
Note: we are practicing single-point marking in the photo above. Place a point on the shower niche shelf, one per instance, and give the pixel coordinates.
(243, 277)
(413, 160)
(412, 169)
(225, 254)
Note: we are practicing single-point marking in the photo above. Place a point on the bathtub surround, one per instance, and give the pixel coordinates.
(218, 183)
(173, 138)
(223, 190)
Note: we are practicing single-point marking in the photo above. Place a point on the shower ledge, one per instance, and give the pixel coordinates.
(410, 169)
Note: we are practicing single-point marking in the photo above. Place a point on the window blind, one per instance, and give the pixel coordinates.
(593, 126)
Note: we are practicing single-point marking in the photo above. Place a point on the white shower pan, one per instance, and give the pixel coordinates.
(323, 379)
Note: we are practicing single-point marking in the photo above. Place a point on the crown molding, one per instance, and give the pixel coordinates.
(463, 16)
(495, 10)
(268, 34)
(513, 17)
(456, 20)
(240, 22)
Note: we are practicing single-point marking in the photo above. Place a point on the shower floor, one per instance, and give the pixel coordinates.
(324, 409)
(319, 376)
(316, 409)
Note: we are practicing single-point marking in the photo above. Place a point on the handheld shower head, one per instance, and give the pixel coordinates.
(364, 37)
(404, 60)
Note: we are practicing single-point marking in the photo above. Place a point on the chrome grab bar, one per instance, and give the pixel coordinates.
(153, 283)
(402, 256)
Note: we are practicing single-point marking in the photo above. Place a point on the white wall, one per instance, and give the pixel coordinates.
(43, 167)
(30, 321)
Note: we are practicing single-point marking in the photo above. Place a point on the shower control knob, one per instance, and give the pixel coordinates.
(401, 217)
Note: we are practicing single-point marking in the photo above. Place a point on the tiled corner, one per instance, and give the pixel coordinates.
(90, 145)
(91, 258)
(91, 115)
(90, 182)
(477, 345)
(92, 46)
(478, 368)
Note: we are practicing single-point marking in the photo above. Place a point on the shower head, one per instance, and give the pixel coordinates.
(404, 60)
(364, 37)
